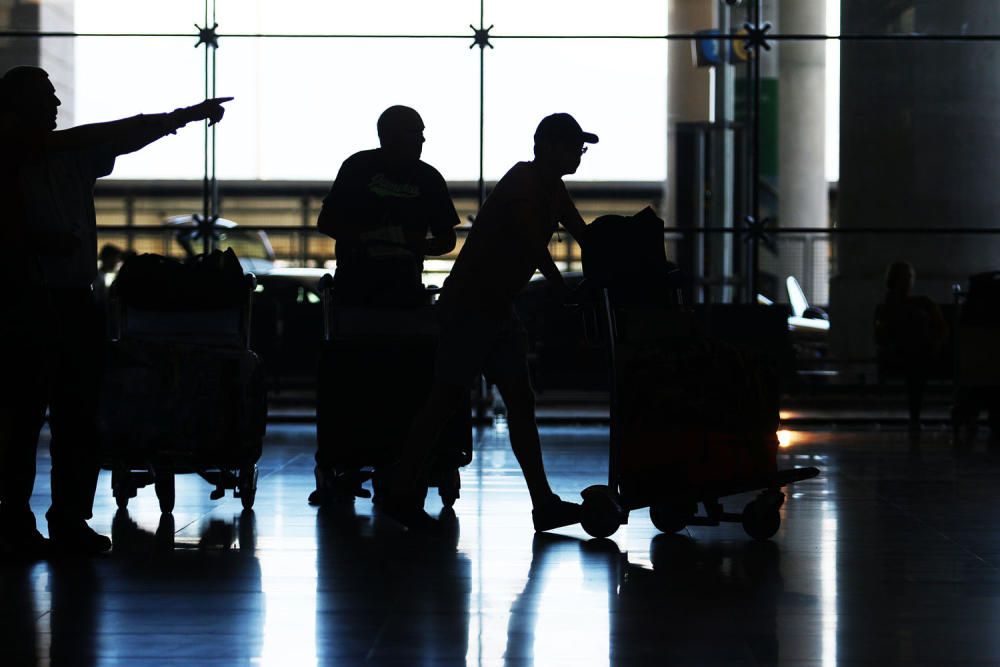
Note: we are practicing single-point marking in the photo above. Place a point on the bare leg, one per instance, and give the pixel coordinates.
(524, 440)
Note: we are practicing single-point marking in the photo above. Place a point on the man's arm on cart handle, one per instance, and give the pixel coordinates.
(529, 230)
(573, 223)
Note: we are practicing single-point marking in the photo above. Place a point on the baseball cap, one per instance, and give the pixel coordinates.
(561, 127)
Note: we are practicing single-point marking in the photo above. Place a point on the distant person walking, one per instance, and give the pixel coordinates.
(480, 332)
(909, 332)
(52, 338)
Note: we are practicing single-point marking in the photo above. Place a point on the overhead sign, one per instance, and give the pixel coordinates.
(710, 51)
(706, 48)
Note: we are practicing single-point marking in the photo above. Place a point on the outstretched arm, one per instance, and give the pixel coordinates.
(130, 134)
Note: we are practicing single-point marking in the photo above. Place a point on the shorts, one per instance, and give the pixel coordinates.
(472, 342)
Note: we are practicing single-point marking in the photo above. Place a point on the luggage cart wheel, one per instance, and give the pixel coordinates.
(164, 485)
(248, 485)
(673, 515)
(602, 511)
(762, 517)
(449, 487)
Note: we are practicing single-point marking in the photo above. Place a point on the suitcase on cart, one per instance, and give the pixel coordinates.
(182, 391)
(376, 368)
(692, 419)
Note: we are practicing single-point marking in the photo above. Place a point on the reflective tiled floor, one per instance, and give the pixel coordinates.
(890, 557)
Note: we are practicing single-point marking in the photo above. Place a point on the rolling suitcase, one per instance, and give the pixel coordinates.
(376, 368)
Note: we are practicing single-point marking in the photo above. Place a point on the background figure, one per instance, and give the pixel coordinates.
(481, 333)
(108, 261)
(909, 332)
(51, 326)
(380, 209)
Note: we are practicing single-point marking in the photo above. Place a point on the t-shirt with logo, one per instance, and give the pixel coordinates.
(382, 213)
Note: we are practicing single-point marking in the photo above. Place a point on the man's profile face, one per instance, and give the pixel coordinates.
(38, 104)
(568, 154)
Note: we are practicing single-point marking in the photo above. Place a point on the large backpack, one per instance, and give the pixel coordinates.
(207, 282)
(626, 254)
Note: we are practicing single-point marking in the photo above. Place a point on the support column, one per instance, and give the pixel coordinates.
(803, 199)
(689, 89)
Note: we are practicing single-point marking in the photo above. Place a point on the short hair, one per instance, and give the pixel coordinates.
(393, 118)
(15, 83)
(17, 79)
(110, 253)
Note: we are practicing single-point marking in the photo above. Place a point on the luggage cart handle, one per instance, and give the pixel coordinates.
(326, 295)
(251, 284)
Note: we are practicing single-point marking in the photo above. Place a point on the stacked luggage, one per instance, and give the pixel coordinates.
(376, 368)
(693, 419)
(182, 391)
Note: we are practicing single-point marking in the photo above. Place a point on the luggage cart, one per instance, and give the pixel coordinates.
(183, 393)
(672, 469)
(376, 368)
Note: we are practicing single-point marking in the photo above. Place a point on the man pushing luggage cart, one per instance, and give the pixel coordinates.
(480, 333)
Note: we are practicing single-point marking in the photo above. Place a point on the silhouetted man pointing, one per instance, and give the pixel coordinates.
(53, 336)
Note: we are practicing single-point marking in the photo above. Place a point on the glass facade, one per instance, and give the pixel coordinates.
(729, 156)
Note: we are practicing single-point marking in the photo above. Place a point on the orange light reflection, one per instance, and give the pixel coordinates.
(786, 438)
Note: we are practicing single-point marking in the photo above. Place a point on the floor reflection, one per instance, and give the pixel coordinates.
(19, 614)
(585, 603)
(389, 595)
(887, 558)
(199, 598)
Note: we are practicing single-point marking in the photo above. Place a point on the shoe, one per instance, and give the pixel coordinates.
(333, 488)
(77, 538)
(555, 513)
(26, 545)
(413, 517)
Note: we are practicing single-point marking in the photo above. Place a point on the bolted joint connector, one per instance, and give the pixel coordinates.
(757, 36)
(480, 37)
(207, 36)
(756, 232)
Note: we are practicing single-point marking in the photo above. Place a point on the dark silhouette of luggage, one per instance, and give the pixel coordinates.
(693, 418)
(626, 255)
(977, 366)
(982, 301)
(376, 368)
(182, 392)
